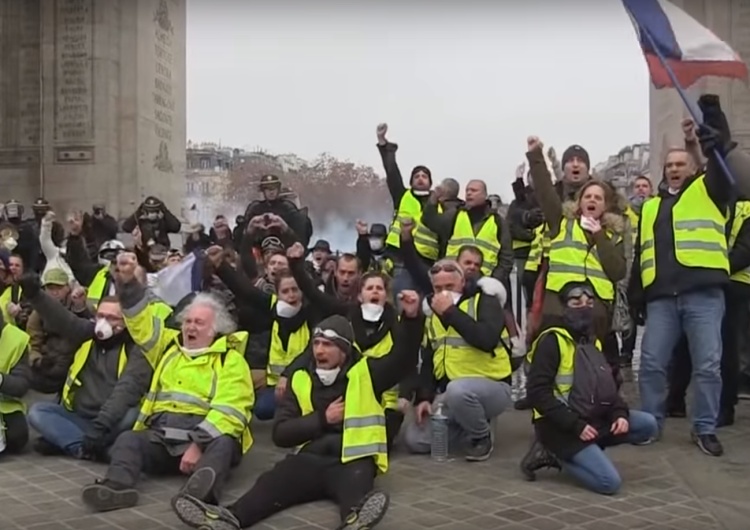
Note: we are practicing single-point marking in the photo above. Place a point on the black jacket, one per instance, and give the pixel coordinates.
(520, 230)
(296, 219)
(673, 279)
(291, 428)
(560, 427)
(482, 333)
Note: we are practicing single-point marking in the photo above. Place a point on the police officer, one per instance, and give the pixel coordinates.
(155, 222)
(273, 203)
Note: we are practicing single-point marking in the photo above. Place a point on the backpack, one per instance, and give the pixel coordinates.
(594, 386)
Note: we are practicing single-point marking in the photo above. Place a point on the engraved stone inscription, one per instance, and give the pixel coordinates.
(20, 73)
(74, 91)
(740, 36)
(163, 88)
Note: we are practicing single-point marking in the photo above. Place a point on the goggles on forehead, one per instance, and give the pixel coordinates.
(109, 255)
(330, 335)
(578, 292)
(446, 267)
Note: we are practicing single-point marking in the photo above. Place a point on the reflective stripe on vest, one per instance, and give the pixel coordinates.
(79, 361)
(573, 259)
(13, 344)
(425, 241)
(698, 230)
(485, 240)
(536, 252)
(455, 358)
(95, 291)
(364, 419)
(741, 214)
(278, 356)
(565, 370)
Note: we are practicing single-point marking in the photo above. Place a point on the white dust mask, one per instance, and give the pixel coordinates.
(372, 312)
(103, 329)
(376, 244)
(286, 310)
(420, 193)
(456, 297)
(327, 377)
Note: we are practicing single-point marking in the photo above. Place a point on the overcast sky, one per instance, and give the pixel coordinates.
(461, 86)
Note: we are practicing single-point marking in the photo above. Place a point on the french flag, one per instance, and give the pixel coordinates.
(689, 49)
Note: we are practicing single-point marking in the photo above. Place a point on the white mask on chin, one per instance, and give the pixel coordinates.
(420, 193)
(371, 312)
(327, 377)
(456, 297)
(285, 310)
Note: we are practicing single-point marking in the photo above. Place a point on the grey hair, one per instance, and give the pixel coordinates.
(439, 264)
(224, 323)
(451, 187)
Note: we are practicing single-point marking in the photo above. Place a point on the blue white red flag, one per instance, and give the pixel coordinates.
(689, 49)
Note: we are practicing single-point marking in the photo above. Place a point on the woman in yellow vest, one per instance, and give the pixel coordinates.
(586, 241)
(289, 317)
(577, 409)
(15, 380)
(374, 320)
(331, 414)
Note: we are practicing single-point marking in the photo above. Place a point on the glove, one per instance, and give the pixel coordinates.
(519, 189)
(533, 218)
(31, 284)
(714, 132)
(95, 442)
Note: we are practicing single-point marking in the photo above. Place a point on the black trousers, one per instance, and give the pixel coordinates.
(16, 432)
(134, 452)
(303, 478)
(734, 339)
(393, 421)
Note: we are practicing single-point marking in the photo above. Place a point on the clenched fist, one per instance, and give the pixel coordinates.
(381, 131)
(296, 251)
(533, 143)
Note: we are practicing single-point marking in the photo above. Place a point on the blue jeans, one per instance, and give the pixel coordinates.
(65, 429)
(594, 470)
(265, 403)
(698, 315)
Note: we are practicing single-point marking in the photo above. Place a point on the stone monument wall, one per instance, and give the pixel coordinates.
(730, 21)
(95, 107)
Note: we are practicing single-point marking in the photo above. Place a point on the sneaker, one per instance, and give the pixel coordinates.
(708, 443)
(43, 447)
(200, 484)
(479, 450)
(106, 496)
(536, 458)
(726, 418)
(197, 514)
(369, 513)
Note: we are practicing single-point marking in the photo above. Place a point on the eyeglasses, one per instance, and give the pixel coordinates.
(446, 267)
(330, 335)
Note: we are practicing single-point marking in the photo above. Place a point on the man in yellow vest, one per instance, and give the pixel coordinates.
(474, 224)
(466, 364)
(195, 418)
(333, 414)
(107, 378)
(15, 380)
(680, 270)
(408, 203)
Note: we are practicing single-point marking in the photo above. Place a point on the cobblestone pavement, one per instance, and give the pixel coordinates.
(669, 485)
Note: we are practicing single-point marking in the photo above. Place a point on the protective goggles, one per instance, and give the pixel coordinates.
(447, 266)
(110, 254)
(330, 335)
(578, 292)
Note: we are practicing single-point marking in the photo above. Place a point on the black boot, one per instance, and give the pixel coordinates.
(726, 418)
(537, 458)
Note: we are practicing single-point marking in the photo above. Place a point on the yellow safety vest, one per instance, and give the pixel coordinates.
(741, 214)
(95, 291)
(79, 361)
(564, 377)
(161, 309)
(5, 298)
(364, 418)
(633, 216)
(13, 344)
(518, 244)
(381, 349)
(425, 240)
(572, 259)
(537, 252)
(699, 232)
(485, 240)
(215, 384)
(278, 357)
(454, 358)
(383, 265)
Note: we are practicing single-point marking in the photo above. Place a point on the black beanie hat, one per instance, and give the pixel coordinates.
(423, 169)
(580, 152)
(338, 330)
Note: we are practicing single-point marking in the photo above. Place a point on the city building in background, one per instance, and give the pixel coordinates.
(622, 169)
(206, 179)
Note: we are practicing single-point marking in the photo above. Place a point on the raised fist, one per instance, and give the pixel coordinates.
(409, 302)
(381, 131)
(296, 251)
(688, 130)
(75, 223)
(533, 143)
(215, 255)
(362, 228)
(127, 262)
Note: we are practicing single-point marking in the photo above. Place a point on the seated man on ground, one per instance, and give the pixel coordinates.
(106, 379)
(14, 383)
(466, 364)
(577, 408)
(196, 416)
(332, 412)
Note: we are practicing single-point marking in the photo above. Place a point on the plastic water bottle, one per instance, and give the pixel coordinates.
(2, 435)
(439, 441)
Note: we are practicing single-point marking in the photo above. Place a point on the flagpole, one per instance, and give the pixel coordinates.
(689, 104)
